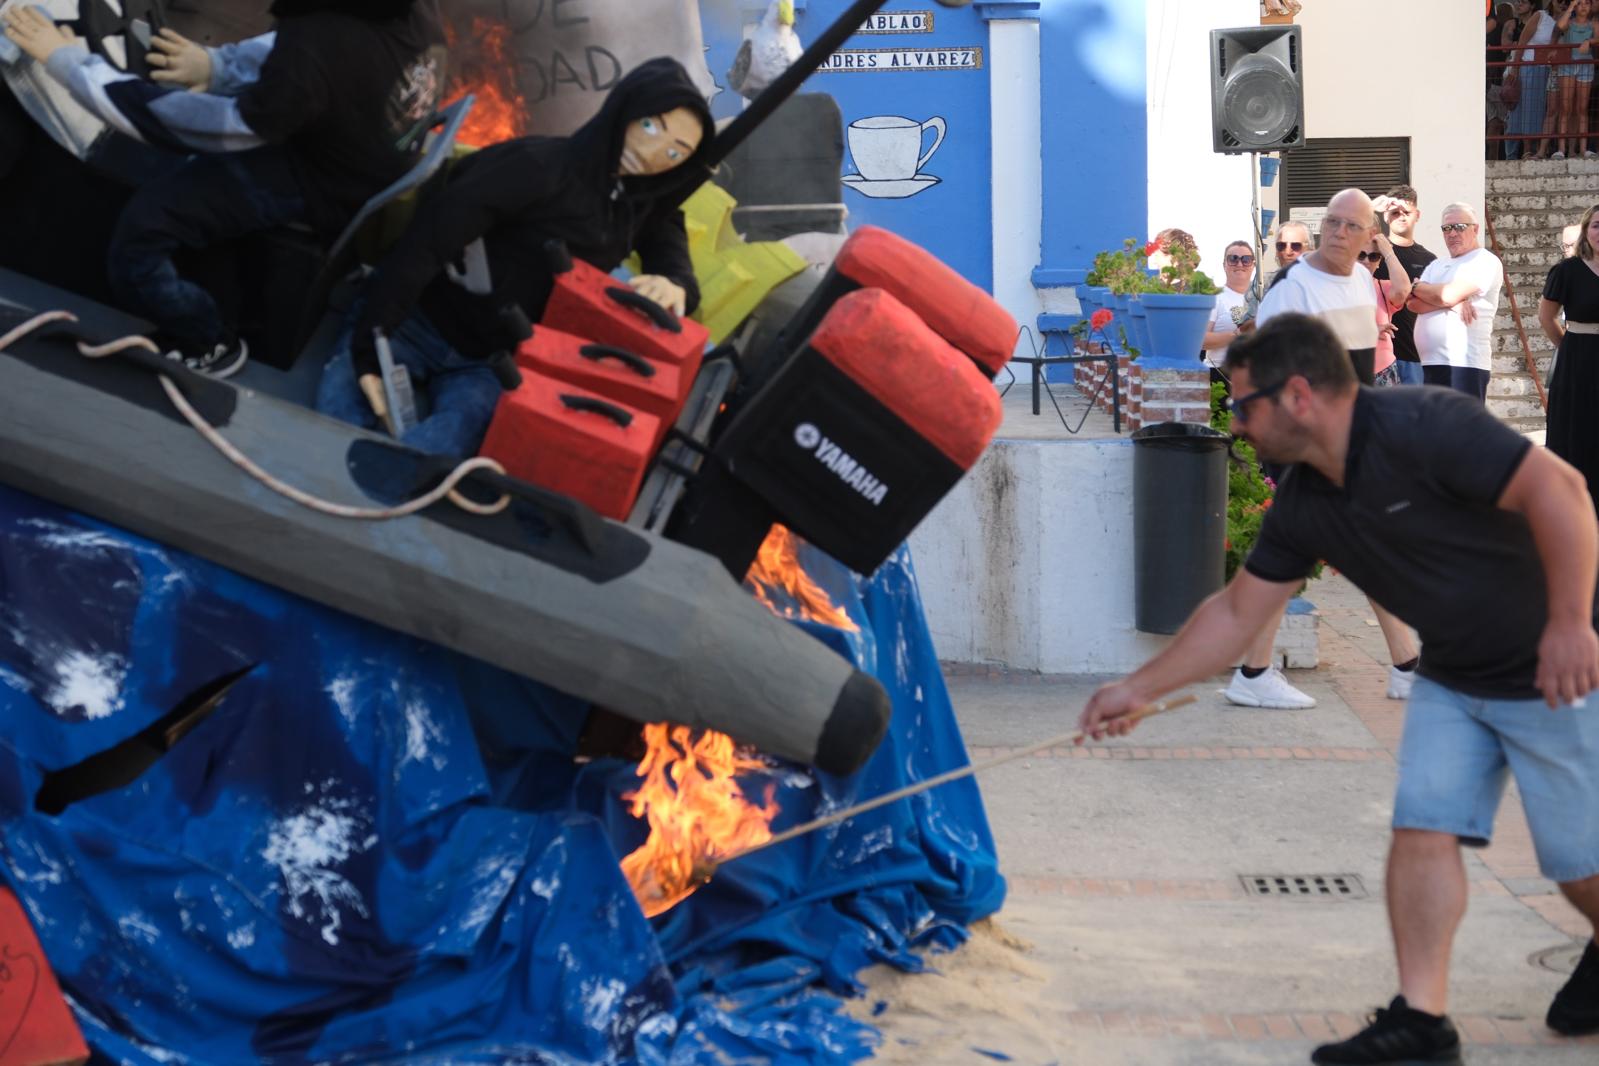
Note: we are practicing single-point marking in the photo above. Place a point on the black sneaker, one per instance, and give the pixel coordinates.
(1575, 1011)
(1398, 1036)
(223, 360)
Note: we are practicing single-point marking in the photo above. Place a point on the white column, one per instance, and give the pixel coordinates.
(1013, 60)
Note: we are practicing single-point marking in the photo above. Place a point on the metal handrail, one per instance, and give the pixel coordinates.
(1515, 312)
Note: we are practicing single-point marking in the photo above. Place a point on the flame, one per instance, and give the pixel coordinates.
(483, 65)
(777, 569)
(697, 813)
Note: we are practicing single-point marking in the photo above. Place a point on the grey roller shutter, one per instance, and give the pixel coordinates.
(1312, 174)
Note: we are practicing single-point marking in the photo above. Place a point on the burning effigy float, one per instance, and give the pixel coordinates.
(312, 748)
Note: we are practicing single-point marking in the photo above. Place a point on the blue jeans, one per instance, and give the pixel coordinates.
(1466, 379)
(1409, 373)
(460, 393)
(207, 200)
(1457, 750)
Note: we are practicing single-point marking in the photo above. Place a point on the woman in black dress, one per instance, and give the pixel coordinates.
(1573, 285)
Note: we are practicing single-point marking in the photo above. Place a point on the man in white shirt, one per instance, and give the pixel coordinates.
(1455, 301)
(1325, 283)
(1238, 263)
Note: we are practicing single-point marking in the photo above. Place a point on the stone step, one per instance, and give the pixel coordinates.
(1511, 342)
(1512, 386)
(1516, 363)
(1516, 407)
(1567, 183)
(1538, 222)
(1573, 204)
(1511, 168)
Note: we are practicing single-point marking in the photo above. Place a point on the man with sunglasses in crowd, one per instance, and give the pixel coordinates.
(1397, 207)
(1455, 301)
(1378, 481)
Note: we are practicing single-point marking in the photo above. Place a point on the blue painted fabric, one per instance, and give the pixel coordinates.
(374, 850)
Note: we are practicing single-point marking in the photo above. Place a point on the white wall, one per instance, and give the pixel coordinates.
(1017, 164)
(1190, 185)
(1437, 103)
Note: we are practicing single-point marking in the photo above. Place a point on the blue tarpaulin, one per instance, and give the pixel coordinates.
(376, 850)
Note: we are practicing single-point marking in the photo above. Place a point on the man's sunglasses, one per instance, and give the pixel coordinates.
(1239, 406)
(1458, 227)
(1283, 246)
(1240, 260)
(1375, 257)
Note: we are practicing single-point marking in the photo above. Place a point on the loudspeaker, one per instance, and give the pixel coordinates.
(1257, 96)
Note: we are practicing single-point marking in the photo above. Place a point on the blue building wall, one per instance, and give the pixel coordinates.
(1092, 142)
(1095, 132)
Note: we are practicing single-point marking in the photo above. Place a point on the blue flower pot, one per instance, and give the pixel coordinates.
(1139, 317)
(1176, 323)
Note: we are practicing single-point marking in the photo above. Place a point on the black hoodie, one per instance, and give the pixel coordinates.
(344, 80)
(517, 195)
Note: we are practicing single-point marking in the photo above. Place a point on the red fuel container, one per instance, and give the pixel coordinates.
(587, 302)
(571, 441)
(609, 372)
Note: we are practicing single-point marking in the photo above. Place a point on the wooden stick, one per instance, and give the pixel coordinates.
(1146, 711)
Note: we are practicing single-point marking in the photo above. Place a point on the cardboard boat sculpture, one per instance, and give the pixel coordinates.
(642, 474)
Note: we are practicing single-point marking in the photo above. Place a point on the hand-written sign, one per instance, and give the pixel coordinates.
(565, 55)
(887, 60)
(899, 22)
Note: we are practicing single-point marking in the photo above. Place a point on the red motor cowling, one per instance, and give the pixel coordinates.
(864, 430)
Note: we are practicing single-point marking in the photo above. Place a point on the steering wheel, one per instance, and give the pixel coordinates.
(133, 28)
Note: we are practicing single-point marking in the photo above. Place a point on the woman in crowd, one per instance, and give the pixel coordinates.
(1573, 286)
(1574, 80)
(1530, 82)
(1391, 296)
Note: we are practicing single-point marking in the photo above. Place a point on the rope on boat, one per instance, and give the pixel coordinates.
(445, 489)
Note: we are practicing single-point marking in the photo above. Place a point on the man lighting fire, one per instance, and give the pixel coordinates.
(1488, 546)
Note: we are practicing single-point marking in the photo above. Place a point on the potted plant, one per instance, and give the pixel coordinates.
(1178, 301)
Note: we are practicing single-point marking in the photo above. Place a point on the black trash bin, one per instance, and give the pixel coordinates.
(1179, 521)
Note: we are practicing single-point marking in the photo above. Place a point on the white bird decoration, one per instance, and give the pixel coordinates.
(767, 53)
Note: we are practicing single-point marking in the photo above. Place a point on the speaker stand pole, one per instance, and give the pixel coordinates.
(1254, 222)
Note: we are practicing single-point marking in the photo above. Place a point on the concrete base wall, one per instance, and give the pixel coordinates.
(1028, 564)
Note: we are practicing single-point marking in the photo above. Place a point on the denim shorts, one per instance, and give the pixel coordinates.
(1458, 749)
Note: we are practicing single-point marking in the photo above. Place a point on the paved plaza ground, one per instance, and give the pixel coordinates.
(1129, 939)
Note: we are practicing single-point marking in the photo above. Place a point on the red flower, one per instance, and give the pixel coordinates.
(1152, 247)
(1101, 318)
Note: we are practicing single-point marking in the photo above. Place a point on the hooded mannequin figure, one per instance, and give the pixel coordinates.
(478, 246)
(298, 125)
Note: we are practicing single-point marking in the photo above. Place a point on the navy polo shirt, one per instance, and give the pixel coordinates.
(1417, 527)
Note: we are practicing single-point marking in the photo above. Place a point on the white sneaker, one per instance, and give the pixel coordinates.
(1558, 155)
(1399, 682)
(1270, 689)
(222, 361)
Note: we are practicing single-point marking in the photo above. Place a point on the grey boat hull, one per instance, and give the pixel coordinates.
(625, 619)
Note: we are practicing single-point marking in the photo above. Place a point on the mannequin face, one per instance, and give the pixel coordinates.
(655, 144)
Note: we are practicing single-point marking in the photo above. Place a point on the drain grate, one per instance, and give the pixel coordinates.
(1304, 886)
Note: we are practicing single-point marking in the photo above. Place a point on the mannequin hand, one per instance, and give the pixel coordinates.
(663, 291)
(180, 62)
(372, 388)
(30, 30)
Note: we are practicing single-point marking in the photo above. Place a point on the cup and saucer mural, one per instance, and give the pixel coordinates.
(888, 156)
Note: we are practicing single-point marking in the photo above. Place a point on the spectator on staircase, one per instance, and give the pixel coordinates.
(1530, 82)
(1574, 81)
